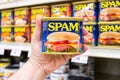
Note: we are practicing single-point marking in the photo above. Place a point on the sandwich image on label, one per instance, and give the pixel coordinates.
(110, 14)
(110, 38)
(62, 42)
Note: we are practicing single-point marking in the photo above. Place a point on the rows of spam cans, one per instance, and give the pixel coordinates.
(101, 19)
(74, 71)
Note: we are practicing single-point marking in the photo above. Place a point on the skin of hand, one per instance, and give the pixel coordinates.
(40, 65)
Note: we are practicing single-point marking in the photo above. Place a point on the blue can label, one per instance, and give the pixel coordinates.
(89, 36)
(85, 10)
(61, 36)
(110, 35)
(110, 10)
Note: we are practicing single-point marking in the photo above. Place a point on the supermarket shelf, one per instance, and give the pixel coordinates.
(92, 52)
(12, 45)
(104, 53)
(23, 3)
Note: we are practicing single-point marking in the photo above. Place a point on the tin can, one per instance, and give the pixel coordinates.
(61, 10)
(22, 34)
(87, 10)
(7, 34)
(43, 11)
(61, 35)
(10, 70)
(109, 10)
(3, 63)
(54, 76)
(7, 17)
(110, 35)
(93, 34)
(22, 17)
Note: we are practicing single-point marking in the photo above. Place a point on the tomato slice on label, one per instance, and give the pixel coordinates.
(58, 42)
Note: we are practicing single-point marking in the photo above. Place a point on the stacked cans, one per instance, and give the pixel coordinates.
(43, 11)
(88, 11)
(61, 73)
(7, 17)
(109, 23)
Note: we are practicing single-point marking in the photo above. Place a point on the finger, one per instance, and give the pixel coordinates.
(85, 48)
(85, 32)
(85, 40)
(38, 27)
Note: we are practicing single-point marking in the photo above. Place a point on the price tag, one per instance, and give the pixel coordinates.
(80, 59)
(2, 50)
(29, 53)
(16, 52)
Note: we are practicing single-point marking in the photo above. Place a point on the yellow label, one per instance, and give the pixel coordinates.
(38, 11)
(108, 4)
(114, 28)
(6, 14)
(32, 29)
(19, 29)
(59, 9)
(83, 6)
(89, 28)
(20, 12)
(6, 30)
(55, 26)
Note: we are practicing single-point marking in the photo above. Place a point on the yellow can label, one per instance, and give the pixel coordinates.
(61, 11)
(42, 11)
(6, 18)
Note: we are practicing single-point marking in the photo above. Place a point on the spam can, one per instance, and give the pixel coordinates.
(22, 17)
(61, 10)
(22, 34)
(7, 34)
(43, 11)
(110, 35)
(7, 17)
(93, 33)
(62, 35)
(87, 10)
(109, 10)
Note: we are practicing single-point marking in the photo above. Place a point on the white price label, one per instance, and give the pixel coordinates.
(16, 52)
(80, 59)
(2, 50)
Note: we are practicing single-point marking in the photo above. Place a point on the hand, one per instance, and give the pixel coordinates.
(48, 62)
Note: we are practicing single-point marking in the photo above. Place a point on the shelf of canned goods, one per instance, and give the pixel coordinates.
(21, 3)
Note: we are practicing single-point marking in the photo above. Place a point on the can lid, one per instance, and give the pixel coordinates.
(4, 60)
(60, 5)
(15, 66)
(39, 7)
(114, 22)
(102, 0)
(7, 10)
(85, 1)
(89, 23)
(58, 18)
(21, 8)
